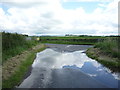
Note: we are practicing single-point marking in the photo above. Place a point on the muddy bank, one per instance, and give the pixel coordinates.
(105, 59)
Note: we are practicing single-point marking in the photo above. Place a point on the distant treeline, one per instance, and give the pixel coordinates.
(13, 44)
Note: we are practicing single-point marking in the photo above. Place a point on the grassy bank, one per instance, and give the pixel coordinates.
(13, 44)
(86, 40)
(110, 46)
(107, 53)
(17, 70)
(18, 53)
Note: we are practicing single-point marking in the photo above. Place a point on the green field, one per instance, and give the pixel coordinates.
(85, 40)
(71, 37)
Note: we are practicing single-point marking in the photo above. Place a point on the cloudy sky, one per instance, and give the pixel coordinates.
(59, 17)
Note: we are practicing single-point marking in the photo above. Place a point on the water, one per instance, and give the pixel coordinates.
(60, 65)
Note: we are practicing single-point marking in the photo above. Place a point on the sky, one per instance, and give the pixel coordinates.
(59, 17)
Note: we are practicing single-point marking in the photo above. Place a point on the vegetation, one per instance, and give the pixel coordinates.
(17, 77)
(68, 42)
(71, 39)
(13, 44)
(18, 53)
(107, 53)
(110, 46)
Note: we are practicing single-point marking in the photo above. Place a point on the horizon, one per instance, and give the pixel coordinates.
(58, 35)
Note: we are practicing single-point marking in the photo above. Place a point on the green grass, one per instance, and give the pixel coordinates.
(13, 44)
(113, 65)
(8, 53)
(86, 40)
(16, 78)
(71, 37)
(68, 42)
(110, 46)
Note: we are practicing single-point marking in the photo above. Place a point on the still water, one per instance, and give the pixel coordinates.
(67, 66)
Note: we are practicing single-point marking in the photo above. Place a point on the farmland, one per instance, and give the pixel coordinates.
(84, 40)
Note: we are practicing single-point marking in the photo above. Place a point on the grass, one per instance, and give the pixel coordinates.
(8, 53)
(16, 78)
(71, 37)
(110, 46)
(68, 42)
(109, 49)
(114, 66)
(13, 44)
(78, 40)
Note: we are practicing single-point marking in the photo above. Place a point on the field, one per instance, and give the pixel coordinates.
(86, 40)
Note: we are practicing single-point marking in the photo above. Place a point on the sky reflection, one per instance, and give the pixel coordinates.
(77, 60)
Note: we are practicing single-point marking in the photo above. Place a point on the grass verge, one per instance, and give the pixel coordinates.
(112, 63)
(16, 78)
(14, 44)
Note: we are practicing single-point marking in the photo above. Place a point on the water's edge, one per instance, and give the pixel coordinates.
(54, 60)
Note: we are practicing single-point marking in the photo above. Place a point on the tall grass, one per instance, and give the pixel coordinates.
(110, 46)
(13, 44)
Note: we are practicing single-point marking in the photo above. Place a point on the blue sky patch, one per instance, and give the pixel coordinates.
(87, 6)
(4, 7)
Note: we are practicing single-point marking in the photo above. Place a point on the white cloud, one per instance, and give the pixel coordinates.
(87, 0)
(49, 17)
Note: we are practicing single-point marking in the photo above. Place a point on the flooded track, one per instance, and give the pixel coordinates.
(67, 66)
